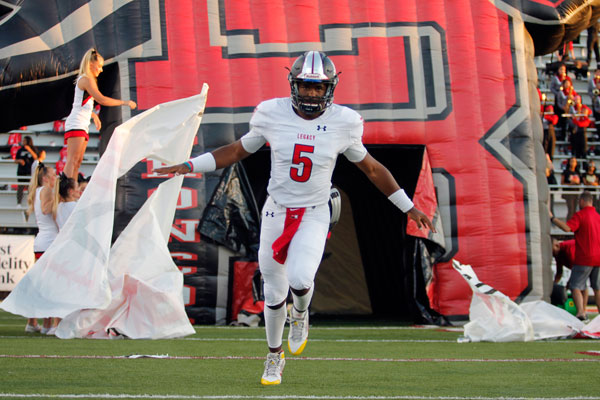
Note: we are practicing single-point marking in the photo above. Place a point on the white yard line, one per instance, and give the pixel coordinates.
(270, 397)
(358, 359)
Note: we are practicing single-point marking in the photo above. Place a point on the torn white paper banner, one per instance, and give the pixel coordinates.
(493, 316)
(591, 330)
(146, 302)
(551, 322)
(80, 270)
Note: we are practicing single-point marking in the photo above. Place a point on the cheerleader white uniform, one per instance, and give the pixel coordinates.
(47, 229)
(63, 211)
(78, 121)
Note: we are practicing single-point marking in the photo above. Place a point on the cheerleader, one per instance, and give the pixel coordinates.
(78, 121)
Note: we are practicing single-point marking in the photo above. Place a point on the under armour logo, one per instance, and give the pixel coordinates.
(323, 128)
(270, 214)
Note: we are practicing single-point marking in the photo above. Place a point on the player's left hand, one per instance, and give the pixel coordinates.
(420, 218)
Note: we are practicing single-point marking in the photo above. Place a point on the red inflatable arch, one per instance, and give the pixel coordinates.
(446, 89)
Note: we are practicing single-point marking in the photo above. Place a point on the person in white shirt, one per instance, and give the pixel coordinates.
(78, 121)
(306, 133)
(40, 201)
(66, 194)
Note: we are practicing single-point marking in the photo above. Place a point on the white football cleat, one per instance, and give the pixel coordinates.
(32, 328)
(298, 335)
(273, 369)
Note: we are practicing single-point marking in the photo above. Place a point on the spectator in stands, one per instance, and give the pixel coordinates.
(41, 199)
(556, 82)
(571, 176)
(578, 123)
(14, 141)
(594, 92)
(549, 123)
(25, 158)
(549, 120)
(551, 179)
(78, 121)
(564, 101)
(585, 224)
(590, 178)
(592, 44)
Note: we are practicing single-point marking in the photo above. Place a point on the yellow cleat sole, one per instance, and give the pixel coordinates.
(267, 383)
(300, 349)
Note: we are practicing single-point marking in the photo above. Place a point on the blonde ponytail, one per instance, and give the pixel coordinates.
(56, 196)
(34, 183)
(89, 56)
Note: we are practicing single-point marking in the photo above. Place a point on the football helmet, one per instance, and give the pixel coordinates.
(313, 66)
(335, 207)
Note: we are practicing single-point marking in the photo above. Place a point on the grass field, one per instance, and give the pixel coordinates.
(339, 362)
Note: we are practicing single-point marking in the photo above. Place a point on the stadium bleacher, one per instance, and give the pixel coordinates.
(563, 148)
(12, 216)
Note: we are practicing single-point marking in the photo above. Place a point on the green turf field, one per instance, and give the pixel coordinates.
(339, 362)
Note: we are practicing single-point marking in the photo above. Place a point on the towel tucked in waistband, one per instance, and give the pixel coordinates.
(293, 217)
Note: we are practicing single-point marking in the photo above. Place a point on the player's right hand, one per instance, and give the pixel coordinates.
(178, 169)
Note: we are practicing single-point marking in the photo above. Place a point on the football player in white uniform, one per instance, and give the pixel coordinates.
(306, 133)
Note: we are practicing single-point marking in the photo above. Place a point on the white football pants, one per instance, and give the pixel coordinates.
(304, 253)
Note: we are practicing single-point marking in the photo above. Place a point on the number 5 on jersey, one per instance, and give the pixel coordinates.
(302, 164)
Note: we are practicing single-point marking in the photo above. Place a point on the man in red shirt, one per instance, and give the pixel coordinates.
(564, 254)
(585, 224)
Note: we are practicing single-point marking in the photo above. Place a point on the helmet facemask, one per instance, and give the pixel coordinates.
(312, 66)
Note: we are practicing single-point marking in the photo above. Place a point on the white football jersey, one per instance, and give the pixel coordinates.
(304, 152)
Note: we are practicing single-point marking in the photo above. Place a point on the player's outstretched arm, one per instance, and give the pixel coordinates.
(383, 179)
(222, 157)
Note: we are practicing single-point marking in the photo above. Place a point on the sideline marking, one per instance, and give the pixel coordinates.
(590, 353)
(274, 397)
(557, 341)
(359, 359)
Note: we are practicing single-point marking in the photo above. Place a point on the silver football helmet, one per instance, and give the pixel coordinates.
(313, 66)
(335, 207)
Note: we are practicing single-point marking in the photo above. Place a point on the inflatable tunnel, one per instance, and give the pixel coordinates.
(447, 91)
